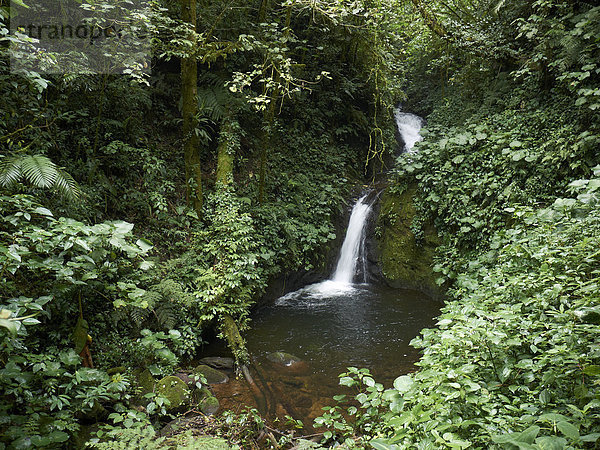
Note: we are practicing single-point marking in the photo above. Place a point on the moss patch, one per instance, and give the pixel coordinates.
(213, 376)
(175, 390)
(145, 380)
(405, 261)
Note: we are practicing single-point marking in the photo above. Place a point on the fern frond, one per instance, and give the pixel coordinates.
(152, 298)
(166, 315)
(139, 315)
(10, 172)
(39, 171)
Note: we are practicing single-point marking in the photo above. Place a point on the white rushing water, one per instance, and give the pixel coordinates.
(409, 125)
(351, 254)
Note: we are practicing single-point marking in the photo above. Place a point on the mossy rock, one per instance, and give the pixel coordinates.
(406, 261)
(206, 401)
(145, 380)
(213, 376)
(283, 358)
(209, 405)
(175, 390)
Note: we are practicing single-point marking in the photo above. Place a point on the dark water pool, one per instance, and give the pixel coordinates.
(330, 327)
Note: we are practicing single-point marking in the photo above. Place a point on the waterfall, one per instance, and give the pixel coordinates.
(353, 246)
(351, 255)
(409, 125)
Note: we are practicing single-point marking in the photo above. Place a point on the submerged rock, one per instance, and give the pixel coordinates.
(213, 376)
(218, 362)
(174, 389)
(283, 358)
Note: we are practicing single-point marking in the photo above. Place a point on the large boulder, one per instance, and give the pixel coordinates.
(145, 380)
(213, 376)
(175, 390)
(406, 260)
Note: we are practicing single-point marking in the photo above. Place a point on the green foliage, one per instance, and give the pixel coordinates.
(469, 174)
(39, 171)
(512, 361)
(45, 393)
(50, 267)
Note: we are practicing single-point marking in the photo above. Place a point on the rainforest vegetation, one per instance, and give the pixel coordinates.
(146, 205)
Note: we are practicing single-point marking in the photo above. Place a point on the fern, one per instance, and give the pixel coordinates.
(130, 439)
(138, 316)
(214, 99)
(152, 298)
(166, 315)
(39, 171)
(171, 291)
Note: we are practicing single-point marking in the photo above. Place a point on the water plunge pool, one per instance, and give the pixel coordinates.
(329, 327)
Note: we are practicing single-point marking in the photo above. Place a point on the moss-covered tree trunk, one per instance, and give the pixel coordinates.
(228, 144)
(189, 93)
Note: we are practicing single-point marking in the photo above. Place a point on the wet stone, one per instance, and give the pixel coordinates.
(283, 358)
(218, 362)
(175, 390)
(213, 376)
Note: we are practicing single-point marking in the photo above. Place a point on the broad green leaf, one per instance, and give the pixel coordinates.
(144, 245)
(403, 383)
(551, 443)
(10, 325)
(568, 429)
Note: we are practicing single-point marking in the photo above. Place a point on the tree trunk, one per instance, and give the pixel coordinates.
(226, 151)
(189, 93)
(235, 342)
(430, 19)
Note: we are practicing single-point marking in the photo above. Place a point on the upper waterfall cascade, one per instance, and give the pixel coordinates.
(409, 125)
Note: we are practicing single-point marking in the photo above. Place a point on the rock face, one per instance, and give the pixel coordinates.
(213, 376)
(175, 390)
(285, 359)
(406, 260)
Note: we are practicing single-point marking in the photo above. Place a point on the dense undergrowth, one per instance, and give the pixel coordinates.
(109, 262)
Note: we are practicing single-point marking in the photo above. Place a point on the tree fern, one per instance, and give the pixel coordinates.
(39, 171)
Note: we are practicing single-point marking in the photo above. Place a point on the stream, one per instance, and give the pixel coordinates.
(326, 327)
